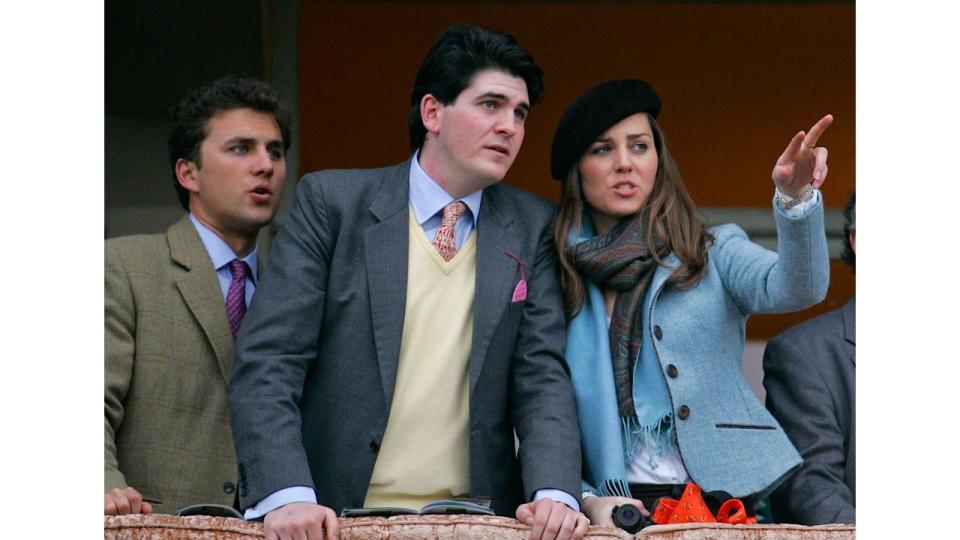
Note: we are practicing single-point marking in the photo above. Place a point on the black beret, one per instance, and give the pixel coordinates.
(592, 113)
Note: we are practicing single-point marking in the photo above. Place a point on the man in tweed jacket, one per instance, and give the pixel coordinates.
(168, 343)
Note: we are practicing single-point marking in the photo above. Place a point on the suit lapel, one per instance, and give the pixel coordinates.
(385, 251)
(496, 273)
(849, 312)
(200, 290)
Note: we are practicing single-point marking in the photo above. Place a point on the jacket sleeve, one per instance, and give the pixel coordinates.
(119, 345)
(544, 412)
(793, 278)
(275, 347)
(799, 398)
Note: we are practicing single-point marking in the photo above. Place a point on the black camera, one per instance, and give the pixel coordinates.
(628, 518)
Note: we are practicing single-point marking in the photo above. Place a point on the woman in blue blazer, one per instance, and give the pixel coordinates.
(658, 304)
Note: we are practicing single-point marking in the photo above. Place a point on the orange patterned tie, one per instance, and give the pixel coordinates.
(445, 240)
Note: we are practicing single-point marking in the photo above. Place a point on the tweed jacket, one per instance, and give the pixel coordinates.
(810, 375)
(317, 354)
(727, 439)
(168, 353)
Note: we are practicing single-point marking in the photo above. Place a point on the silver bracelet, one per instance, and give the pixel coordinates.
(803, 197)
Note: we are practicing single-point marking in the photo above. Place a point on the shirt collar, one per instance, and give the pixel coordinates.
(218, 250)
(428, 197)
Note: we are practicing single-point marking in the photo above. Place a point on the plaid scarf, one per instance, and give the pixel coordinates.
(622, 261)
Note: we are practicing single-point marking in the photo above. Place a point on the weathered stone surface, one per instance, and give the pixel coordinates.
(167, 527)
(452, 527)
(722, 531)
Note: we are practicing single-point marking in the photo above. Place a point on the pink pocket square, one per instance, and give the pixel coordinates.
(520, 291)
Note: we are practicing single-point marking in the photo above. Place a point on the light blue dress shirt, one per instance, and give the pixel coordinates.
(221, 255)
(428, 200)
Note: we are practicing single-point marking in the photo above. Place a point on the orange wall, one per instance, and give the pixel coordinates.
(737, 81)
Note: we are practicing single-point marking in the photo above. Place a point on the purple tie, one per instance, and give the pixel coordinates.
(236, 295)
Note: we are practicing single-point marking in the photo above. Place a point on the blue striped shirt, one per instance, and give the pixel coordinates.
(221, 255)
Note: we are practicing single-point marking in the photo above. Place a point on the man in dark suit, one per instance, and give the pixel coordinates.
(411, 319)
(810, 378)
(172, 303)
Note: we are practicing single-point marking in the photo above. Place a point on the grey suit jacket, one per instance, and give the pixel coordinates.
(168, 353)
(317, 353)
(810, 378)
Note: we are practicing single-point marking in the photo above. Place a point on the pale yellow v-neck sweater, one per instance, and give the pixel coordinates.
(425, 451)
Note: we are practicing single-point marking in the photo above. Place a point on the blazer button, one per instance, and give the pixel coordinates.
(683, 412)
(374, 446)
(672, 371)
(657, 331)
(228, 487)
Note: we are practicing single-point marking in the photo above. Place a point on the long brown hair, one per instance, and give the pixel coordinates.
(672, 221)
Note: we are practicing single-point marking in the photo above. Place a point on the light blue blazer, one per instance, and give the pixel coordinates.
(727, 439)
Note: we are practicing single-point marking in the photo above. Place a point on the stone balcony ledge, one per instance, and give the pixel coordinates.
(447, 527)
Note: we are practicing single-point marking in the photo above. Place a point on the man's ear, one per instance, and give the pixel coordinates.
(431, 113)
(187, 175)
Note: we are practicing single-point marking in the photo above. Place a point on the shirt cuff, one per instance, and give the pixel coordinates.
(279, 498)
(559, 496)
(801, 208)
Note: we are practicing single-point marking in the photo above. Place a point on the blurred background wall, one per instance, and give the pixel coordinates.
(737, 80)
(155, 50)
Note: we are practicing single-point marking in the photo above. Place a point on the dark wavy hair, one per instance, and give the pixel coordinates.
(458, 53)
(192, 114)
(849, 224)
(672, 220)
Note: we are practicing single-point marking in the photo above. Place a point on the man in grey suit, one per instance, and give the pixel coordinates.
(810, 378)
(173, 302)
(411, 319)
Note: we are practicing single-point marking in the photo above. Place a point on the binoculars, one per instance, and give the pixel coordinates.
(629, 518)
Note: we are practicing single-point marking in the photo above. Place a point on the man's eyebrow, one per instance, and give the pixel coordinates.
(239, 140)
(492, 94)
(250, 141)
(502, 97)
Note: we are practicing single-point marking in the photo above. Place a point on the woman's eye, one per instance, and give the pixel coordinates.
(640, 147)
(601, 150)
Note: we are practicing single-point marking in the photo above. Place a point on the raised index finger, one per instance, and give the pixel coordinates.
(817, 130)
